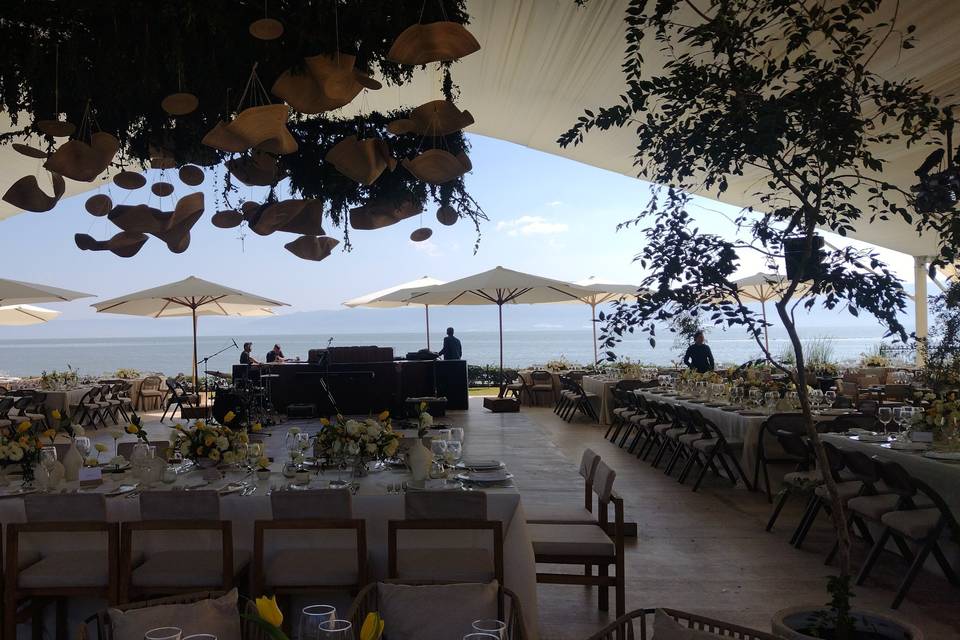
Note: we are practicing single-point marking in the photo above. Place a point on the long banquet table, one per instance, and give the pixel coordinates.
(371, 502)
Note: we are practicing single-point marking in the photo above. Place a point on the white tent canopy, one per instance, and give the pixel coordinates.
(16, 292)
(377, 298)
(19, 315)
(190, 297)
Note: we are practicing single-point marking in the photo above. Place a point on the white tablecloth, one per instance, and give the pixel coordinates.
(372, 503)
(603, 387)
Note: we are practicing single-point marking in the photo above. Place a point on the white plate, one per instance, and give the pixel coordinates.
(835, 412)
(907, 446)
(942, 455)
(233, 487)
(485, 477)
(480, 465)
(122, 489)
(866, 437)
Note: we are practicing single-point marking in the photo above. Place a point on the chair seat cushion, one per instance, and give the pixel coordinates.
(309, 567)
(705, 445)
(565, 513)
(689, 438)
(675, 432)
(873, 507)
(570, 540)
(218, 617)
(150, 394)
(915, 523)
(541, 387)
(623, 411)
(185, 568)
(432, 612)
(35, 417)
(846, 490)
(802, 478)
(447, 565)
(663, 428)
(66, 569)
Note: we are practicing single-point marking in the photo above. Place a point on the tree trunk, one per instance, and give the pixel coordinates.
(837, 510)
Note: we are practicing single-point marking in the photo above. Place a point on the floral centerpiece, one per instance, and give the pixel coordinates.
(269, 618)
(20, 445)
(207, 445)
(362, 441)
(942, 417)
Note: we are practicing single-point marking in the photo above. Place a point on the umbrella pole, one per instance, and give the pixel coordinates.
(766, 336)
(500, 312)
(426, 310)
(593, 323)
(196, 388)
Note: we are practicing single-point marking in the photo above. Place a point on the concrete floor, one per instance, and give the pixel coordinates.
(704, 552)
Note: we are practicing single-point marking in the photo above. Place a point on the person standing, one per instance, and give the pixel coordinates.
(452, 349)
(698, 355)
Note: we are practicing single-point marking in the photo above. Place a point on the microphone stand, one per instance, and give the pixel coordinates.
(206, 375)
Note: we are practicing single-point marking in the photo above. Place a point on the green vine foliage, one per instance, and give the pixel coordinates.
(942, 348)
(122, 57)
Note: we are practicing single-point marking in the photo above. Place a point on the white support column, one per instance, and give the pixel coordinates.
(920, 303)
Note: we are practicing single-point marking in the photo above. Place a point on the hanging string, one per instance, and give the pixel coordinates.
(56, 81)
(336, 28)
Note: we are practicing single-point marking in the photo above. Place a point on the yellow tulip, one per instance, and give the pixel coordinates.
(229, 416)
(268, 611)
(132, 428)
(55, 414)
(325, 422)
(257, 427)
(24, 427)
(383, 416)
(372, 627)
(50, 433)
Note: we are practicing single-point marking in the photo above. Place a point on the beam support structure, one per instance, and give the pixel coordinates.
(920, 306)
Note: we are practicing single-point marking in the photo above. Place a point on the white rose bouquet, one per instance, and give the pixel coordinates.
(204, 442)
(362, 440)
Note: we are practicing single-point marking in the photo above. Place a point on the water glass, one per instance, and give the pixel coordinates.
(454, 452)
(312, 617)
(794, 399)
(884, 415)
(830, 397)
(770, 399)
(456, 434)
(336, 630)
(199, 636)
(84, 446)
(755, 395)
(163, 633)
(438, 448)
(480, 636)
(496, 628)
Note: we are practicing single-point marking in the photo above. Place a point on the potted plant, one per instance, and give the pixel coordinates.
(749, 88)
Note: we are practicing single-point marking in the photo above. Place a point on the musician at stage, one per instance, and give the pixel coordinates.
(245, 357)
(275, 355)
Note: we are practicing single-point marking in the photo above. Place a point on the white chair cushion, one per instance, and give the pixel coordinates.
(306, 567)
(219, 617)
(916, 523)
(566, 513)
(690, 438)
(66, 569)
(185, 568)
(448, 565)
(802, 478)
(435, 612)
(570, 540)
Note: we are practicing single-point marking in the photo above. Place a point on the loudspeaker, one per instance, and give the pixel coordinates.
(800, 267)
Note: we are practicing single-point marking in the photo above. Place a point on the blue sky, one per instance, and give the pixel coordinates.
(548, 215)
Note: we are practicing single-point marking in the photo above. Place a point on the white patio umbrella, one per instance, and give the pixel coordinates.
(190, 297)
(497, 286)
(376, 300)
(13, 292)
(763, 287)
(19, 315)
(600, 293)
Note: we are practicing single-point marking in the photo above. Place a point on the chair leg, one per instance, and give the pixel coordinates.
(811, 502)
(777, 509)
(603, 590)
(692, 459)
(723, 463)
(62, 632)
(740, 471)
(912, 572)
(809, 523)
(872, 556)
(9, 614)
(613, 423)
(948, 571)
(164, 416)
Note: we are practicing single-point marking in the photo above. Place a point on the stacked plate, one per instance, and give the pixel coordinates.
(480, 465)
(872, 437)
(900, 445)
(497, 478)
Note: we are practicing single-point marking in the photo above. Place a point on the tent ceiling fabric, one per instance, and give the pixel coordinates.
(543, 61)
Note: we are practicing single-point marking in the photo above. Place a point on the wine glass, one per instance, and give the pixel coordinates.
(84, 447)
(495, 628)
(884, 415)
(830, 397)
(794, 399)
(754, 396)
(199, 636)
(735, 394)
(438, 448)
(897, 421)
(454, 452)
(163, 633)
(456, 434)
(311, 617)
(48, 459)
(480, 636)
(336, 630)
(254, 453)
(770, 399)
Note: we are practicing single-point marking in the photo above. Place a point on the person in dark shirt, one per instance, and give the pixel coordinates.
(275, 354)
(698, 355)
(452, 349)
(245, 357)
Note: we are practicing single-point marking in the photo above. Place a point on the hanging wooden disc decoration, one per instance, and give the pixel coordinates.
(179, 104)
(27, 150)
(98, 205)
(129, 180)
(266, 29)
(447, 215)
(227, 219)
(191, 174)
(56, 128)
(421, 234)
(162, 189)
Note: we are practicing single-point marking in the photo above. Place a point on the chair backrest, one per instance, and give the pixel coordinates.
(151, 383)
(172, 386)
(588, 464)
(23, 403)
(862, 467)
(897, 391)
(576, 375)
(318, 504)
(835, 459)
(3, 390)
(445, 505)
(850, 389)
(541, 377)
(868, 407)
(791, 422)
(603, 482)
(81, 507)
(179, 505)
(853, 421)
(795, 445)
(631, 385)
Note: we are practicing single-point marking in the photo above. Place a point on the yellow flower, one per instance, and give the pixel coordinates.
(257, 427)
(209, 440)
(200, 424)
(383, 418)
(24, 427)
(263, 463)
(229, 416)
(50, 433)
(102, 448)
(372, 627)
(325, 422)
(214, 455)
(132, 428)
(55, 414)
(268, 611)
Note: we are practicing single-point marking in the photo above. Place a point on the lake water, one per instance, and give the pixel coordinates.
(95, 356)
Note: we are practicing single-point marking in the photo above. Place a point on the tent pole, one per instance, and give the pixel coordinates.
(426, 310)
(196, 389)
(920, 306)
(766, 335)
(593, 323)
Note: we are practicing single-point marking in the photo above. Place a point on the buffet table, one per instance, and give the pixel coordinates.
(603, 387)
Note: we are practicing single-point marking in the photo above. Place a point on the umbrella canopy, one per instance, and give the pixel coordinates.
(763, 287)
(376, 299)
(18, 315)
(497, 286)
(190, 297)
(13, 292)
(602, 292)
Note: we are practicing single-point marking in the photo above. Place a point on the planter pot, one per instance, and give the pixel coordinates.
(801, 623)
